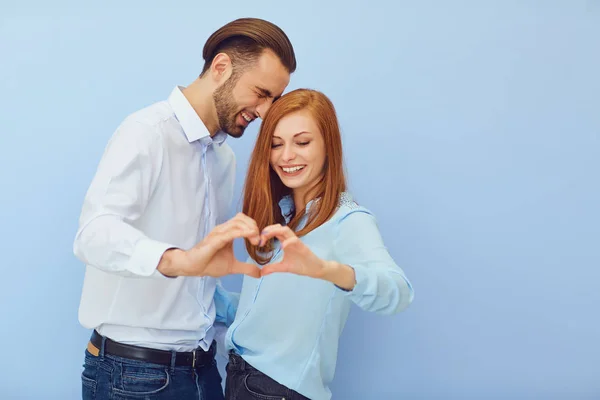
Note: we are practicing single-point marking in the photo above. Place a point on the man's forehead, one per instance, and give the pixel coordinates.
(274, 90)
(270, 84)
(269, 74)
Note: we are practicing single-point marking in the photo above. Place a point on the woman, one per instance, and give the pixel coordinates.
(320, 251)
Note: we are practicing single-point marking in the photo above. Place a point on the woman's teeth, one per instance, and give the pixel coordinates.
(292, 169)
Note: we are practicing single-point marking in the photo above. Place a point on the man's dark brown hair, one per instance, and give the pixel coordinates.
(244, 40)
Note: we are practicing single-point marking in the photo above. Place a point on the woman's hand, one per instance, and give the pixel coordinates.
(300, 260)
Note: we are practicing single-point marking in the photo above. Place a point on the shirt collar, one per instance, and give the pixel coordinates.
(192, 125)
(286, 204)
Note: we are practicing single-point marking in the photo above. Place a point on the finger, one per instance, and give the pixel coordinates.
(246, 225)
(220, 228)
(263, 239)
(276, 267)
(225, 226)
(290, 241)
(280, 232)
(246, 269)
(240, 218)
(247, 220)
(272, 226)
(276, 227)
(243, 220)
(250, 232)
(223, 238)
(254, 240)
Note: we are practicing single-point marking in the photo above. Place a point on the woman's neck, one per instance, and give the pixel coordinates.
(302, 197)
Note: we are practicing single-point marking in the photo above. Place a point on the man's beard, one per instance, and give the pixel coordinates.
(227, 109)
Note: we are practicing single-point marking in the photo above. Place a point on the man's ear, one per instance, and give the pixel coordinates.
(221, 68)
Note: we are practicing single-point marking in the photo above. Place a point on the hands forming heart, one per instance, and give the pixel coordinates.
(214, 255)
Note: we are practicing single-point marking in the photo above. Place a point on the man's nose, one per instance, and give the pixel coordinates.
(263, 108)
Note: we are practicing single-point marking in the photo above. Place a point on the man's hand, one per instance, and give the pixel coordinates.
(213, 256)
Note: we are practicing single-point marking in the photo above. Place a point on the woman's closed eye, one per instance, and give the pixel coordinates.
(301, 144)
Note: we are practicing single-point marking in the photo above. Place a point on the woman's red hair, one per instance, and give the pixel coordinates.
(263, 189)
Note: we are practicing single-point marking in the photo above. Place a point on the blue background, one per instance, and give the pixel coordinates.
(471, 129)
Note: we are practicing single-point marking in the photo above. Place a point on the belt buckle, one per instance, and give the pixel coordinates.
(194, 358)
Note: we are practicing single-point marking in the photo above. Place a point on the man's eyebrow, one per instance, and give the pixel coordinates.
(264, 92)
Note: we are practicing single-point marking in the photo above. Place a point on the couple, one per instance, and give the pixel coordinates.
(153, 235)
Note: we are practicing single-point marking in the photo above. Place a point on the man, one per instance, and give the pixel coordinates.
(152, 231)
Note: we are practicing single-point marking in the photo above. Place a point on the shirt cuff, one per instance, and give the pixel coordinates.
(360, 277)
(146, 256)
(355, 281)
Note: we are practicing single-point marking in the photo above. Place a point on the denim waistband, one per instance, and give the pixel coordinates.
(237, 363)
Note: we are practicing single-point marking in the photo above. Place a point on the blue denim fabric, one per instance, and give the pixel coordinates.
(244, 382)
(109, 377)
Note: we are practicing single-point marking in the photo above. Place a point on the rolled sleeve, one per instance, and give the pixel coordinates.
(381, 285)
(146, 257)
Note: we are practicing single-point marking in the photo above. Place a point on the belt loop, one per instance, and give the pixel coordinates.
(173, 358)
(102, 346)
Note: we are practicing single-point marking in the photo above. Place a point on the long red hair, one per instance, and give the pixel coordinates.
(263, 189)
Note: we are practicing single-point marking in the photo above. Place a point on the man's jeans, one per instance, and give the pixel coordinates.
(109, 377)
(244, 382)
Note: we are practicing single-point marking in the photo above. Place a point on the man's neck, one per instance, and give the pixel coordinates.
(199, 95)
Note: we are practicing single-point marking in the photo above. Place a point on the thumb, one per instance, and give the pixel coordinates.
(245, 268)
(277, 267)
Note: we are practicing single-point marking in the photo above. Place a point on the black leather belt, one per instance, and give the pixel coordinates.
(194, 358)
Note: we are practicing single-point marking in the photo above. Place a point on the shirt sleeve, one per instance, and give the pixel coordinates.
(117, 197)
(381, 285)
(226, 304)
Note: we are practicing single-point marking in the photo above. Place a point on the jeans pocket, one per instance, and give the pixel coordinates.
(138, 381)
(262, 387)
(88, 378)
(88, 387)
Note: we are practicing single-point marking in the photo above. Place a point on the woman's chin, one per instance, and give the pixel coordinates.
(290, 184)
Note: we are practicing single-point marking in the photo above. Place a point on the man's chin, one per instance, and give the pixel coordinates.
(237, 132)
